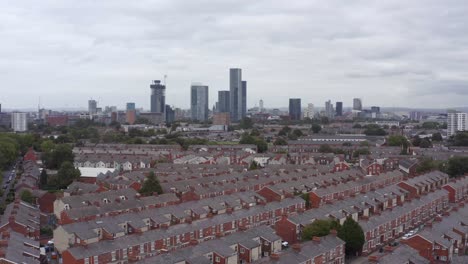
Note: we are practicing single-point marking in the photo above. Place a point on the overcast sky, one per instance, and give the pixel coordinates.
(390, 53)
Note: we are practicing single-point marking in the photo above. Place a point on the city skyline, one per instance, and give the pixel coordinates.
(398, 54)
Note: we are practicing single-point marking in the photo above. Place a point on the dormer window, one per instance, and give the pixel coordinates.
(123, 198)
(106, 201)
(67, 207)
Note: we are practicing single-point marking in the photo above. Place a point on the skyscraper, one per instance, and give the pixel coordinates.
(456, 121)
(310, 111)
(243, 96)
(158, 97)
(357, 104)
(260, 105)
(199, 102)
(131, 113)
(19, 122)
(224, 101)
(92, 107)
(339, 108)
(329, 111)
(170, 115)
(295, 108)
(238, 94)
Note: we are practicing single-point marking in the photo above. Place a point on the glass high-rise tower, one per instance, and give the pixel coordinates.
(238, 94)
(158, 97)
(199, 102)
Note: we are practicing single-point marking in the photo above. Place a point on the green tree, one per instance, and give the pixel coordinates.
(298, 133)
(351, 233)
(416, 141)
(457, 166)
(316, 128)
(425, 165)
(54, 158)
(325, 149)
(67, 174)
(437, 137)
(364, 143)
(425, 143)
(361, 151)
(47, 145)
(324, 120)
(430, 125)
(284, 131)
(246, 123)
(396, 140)
(262, 146)
(460, 139)
(253, 165)
(374, 130)
(306, 198)
(27, 196)
(280, 142)
(319, 228)
(357, 125)
(151, 185)
(255, 132)
(43, 178)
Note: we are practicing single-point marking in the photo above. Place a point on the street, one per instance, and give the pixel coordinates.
(5, 181)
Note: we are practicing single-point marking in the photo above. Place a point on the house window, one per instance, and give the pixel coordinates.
(242, 250)
(113, 256)
(437, 247)
(142, 248)
(86, 260)
(443, 258)
(124, 253)
(152, 246)
(218, 259)
(200, 233)
(95, 260)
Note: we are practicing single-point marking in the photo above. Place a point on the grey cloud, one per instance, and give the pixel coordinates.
(316, 50)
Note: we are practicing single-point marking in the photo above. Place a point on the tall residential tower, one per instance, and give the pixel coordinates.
(295, 108)
(158, 97)
(199, 102)
(238, 94)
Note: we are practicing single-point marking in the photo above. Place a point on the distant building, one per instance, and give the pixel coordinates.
(238, 94)
(357, 104)
(375, 109)
(43, 113)
(5, 120)
(130, 106)
(295, 108)
(56, 120)
(415, 115)
(329, 111)
(220, 118)
(310, 112)
(154, 118)
(339, 109)
(130, 113)
(131, 116)
(199, 102)
(19, 122)
(92, 107)
(170, 115)
(260, 104)
(158, 97)
(223, 102)
(456, 121)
